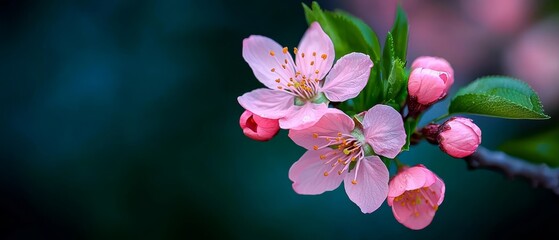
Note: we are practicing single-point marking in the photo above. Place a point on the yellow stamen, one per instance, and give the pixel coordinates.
(278, 80)
(314, 54)
(315, 135)
(272, 53)
(273, 69)
(312, 63)
(325, 174)
(284, 50)
(315, 147)
(353, 181)
(323, 56)
(295, 50)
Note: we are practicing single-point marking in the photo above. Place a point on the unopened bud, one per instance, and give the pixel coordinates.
(257, 127)
(427, 86)
(437, 64)
(459, 137)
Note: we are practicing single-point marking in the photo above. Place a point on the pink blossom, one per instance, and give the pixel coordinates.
(415, 194)
(257, 127)
(427, 86)
(437, 64)
(299, 91)
(459, 137)
(338, 150)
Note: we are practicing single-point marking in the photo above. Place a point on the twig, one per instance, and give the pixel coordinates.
(538, 174)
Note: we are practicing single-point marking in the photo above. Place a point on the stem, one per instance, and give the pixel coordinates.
(441, 117)
(399, 165)
(538, 174)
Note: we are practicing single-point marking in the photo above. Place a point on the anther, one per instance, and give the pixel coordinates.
(315, 135)
(322, 157)
(353, 181)
(295, 50)
(280, 87)
(284, 50)
(272, 53)
(315, 147)
(340, 172)
(283, 66)
(314, 54)
(278, 80)
(325, 174)
(273, 69)
(302, 55)
(312, 63)
(323, 56)
(316, 72)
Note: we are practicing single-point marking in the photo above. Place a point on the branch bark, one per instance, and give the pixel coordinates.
(538, 174)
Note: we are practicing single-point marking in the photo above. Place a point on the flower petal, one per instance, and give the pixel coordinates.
(301, 117)
(409, 179)
(427, 85)
(412, 219)
(308, 177)
(316, 52)
(384, 130)
(372, 184)
(332, 122)
(439, 188)
(262, 55)
(348, 77)
(267, 103)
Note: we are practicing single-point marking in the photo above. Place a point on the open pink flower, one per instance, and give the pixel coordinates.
(415, 194)
(338, 150)
(298, 92)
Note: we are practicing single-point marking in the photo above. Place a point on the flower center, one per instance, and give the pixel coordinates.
(416, 200)
(302, 84)
(345, 153)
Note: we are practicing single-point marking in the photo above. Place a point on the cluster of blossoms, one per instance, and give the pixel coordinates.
(349, 149)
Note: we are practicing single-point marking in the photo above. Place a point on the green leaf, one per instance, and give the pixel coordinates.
(348, 33)
(498, 96)
(368, 34)
(409, 125)
(541, 148)
(388, 55)
(396, 80)
(400, 34)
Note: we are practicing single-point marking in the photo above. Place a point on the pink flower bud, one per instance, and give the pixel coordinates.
(426, 86)
(258, 128)
(415, 194)
(437, 64)
(459, 137)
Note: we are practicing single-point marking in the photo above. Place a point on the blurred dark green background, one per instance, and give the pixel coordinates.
(119, 120)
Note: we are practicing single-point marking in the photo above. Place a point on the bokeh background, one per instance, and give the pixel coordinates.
(119, 119)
